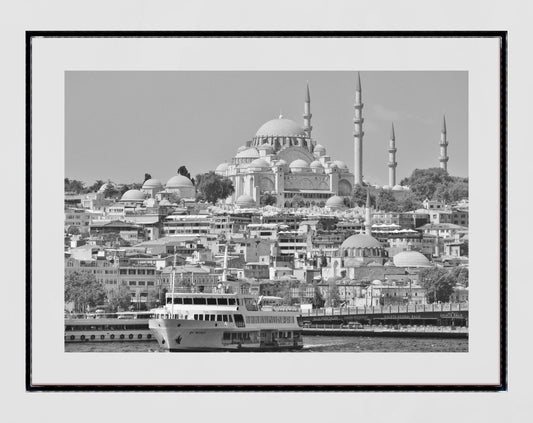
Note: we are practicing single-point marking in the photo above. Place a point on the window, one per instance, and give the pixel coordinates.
(187, 301)
(199, 301)
(141, 283)
(222, 301)
(149, 283)
(132, 283)
(141, 272)
(219, 318)
(231, 301)
(212, 301)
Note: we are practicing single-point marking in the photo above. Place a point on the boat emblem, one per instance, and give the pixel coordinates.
(178, 339)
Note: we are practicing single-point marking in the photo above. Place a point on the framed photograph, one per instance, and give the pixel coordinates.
(317, 203)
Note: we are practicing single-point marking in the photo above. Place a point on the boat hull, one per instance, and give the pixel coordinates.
(176, 335)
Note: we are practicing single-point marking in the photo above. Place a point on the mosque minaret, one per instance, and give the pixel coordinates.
(392, 158)
(443, 159)
(307, 113)
(358, 133)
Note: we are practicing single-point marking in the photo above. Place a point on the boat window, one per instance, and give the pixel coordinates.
(200, 317)
(219, 318)
(225, 317)
(198, 300)
(222, 301)
(187, 301)
(230, 319)
(177, 300)
(195, 317)
(213, 317)
(169, 300)
(226, 336)
(231, 301)
(212, 301)
(250, 304)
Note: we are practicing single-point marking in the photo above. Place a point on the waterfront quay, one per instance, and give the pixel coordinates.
(451, 315)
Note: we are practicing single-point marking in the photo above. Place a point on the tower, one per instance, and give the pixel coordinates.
(307, 113)
(368, 217)
(358, 133)
(443, 159)
(392, 158)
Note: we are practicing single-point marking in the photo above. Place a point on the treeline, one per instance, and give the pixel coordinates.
(433, 184)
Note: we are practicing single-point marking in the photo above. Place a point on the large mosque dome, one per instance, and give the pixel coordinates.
(410, 259)
(280, 128)
(361, 241)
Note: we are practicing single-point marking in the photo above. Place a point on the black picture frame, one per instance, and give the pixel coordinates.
(501, 35)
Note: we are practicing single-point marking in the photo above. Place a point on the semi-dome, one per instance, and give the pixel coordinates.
(316, 165)
(335, 202)
(397, 188)
(267, 147)
(245, 201)
(179, 181)
(410, 259)
(319, 148)
(259, 164)
(249, 153)
(340, 164)
(152, 183)
(242, 148)
(280, 127)
(133, 195)
(222, 167)
(361, 241)
(298, 165)
(105, 186)
(387, 187)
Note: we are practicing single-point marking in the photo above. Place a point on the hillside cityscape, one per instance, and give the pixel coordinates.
(281, 218)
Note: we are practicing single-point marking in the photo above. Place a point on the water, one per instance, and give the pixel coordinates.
(311, 344)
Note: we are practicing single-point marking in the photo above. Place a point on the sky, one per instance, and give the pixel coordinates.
(120, 125)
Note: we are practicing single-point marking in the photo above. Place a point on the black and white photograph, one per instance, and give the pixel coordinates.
(266, 211)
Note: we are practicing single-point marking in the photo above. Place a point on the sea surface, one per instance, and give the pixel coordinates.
(311, 344)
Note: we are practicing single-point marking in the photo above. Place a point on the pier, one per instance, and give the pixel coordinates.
(440, 315)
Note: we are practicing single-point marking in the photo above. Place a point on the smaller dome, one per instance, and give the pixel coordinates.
(164, 202)
(340, 164)
(387, 187)
(259, 164)
(319, 149)
(152, 183)
(361, 241)
(397, 188)
(335, 202)
(298, 165)
(316, 165)
(410, 259)
(245, 201)
(179, 181)
(280, 163)
(242, 148)
(266, 147)
(133, 195)
(222, 167)
(249, 153)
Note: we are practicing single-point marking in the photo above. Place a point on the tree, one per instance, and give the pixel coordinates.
(73, 230)
(119, 299)
(436, 183)
(214, 187)
(359, 196)
(96, 186)
(146, 177)
(267, 199)
(439, 284)
(385, 201)
(72, 185)
(408, 203)
(83, 290)
(182, 170)
(333, 299)
(460, 274)
(297, 201)
(318, 299)
(111, 192)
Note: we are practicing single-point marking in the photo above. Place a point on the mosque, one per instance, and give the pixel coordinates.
(283, 160)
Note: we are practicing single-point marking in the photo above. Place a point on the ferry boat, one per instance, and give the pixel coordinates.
(224, 322)
(108, 327)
